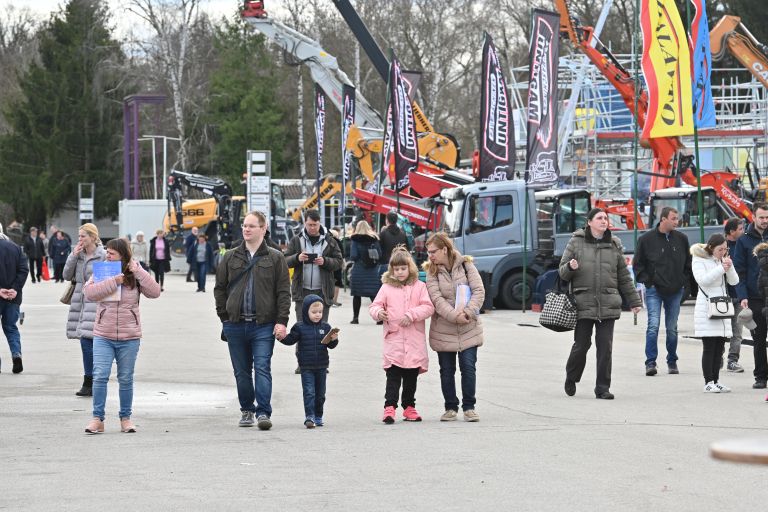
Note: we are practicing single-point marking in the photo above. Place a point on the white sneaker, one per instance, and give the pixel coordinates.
(711, 387)
(723, 388)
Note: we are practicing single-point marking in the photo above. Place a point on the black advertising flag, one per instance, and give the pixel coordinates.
(319, 133)
(404, 144)
(541, 154)
(347, 119)
(497, 140)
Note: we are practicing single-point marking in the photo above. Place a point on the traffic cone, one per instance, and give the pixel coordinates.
(45, 273)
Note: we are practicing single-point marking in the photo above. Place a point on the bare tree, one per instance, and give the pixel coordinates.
(18, 48)
(172, 22)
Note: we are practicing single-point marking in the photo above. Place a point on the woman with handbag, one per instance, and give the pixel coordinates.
(365, 278)
(593, 263)
(713, 271)
(82, 312)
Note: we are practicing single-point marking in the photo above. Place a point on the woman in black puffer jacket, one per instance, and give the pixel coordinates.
(365, 279)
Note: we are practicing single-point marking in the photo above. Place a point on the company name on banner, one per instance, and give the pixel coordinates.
(319, 129)
(496, 155)
(404, 136)
(541, 151)
(348, 119)
(667, 68)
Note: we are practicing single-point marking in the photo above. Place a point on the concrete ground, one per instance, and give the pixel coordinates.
(534, 449)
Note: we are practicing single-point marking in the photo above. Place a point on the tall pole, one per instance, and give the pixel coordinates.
(699, 195)
(525, 244)
(635, 140)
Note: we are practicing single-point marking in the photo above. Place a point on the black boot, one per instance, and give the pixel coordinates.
(87, 389)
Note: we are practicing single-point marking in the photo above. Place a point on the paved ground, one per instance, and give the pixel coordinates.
(534, 448)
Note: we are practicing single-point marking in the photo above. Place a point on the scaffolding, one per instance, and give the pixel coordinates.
(597, 144)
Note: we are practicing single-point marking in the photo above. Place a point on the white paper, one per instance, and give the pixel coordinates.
(463, 296)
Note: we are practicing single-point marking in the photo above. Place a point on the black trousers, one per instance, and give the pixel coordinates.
(758, 339)
(711, 357)
(357, 302)
(396, 375)
(58, 272)
(35, 268)
(160, 276)
(577, 360)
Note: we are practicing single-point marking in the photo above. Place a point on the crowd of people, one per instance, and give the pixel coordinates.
(256, 283)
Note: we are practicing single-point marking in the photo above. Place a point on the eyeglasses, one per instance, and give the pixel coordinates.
(433, 251)
(252, 226)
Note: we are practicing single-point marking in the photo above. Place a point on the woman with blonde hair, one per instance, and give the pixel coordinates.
(364, 280)
(455, 332)
(82, 312)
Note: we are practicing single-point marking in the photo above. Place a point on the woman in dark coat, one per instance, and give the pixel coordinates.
(593, 263)
(59, 249)
(365, 278)
(160, 257)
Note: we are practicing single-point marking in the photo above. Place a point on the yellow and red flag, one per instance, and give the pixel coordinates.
(667, 70)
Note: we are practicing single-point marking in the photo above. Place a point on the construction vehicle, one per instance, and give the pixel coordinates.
(621, 213)
(437, 151)
(669, 158)
(748, 51)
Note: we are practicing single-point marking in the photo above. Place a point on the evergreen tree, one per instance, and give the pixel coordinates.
(244, 108)
(67, 128)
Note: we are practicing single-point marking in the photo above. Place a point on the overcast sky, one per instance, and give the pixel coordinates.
(120, 17)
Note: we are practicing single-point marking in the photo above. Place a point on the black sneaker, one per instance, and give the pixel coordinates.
(759, 384)
(672, 369)
(605, 395)
(17, 366)
(263, 422)
(650, 369)
(309, 423)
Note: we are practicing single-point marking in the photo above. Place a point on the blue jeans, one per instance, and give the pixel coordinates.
(313, 388)
(250, 348)
(124, 353)
(86, 347)
(200, 272)
(9, 316)
(654, 301)
(467, 362)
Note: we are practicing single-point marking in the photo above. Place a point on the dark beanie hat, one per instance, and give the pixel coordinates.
(593, 212)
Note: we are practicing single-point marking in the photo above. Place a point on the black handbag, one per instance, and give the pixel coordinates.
(559, 312)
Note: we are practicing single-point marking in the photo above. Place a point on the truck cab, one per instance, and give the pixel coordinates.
(488, 221)
(685, 201)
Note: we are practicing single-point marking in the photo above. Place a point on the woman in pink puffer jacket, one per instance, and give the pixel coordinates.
(117, 331)
(403, 305)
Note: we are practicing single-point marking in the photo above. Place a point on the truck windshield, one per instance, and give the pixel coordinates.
(688, 209)
(451, 218)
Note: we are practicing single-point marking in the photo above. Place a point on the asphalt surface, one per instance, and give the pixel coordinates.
(534, 448)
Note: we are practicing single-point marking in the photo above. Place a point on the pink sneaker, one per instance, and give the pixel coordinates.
(389, 415)
(411, 414)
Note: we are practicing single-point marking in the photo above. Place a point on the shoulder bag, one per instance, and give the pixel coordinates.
(66, 298)
(559, 312)
(719, 307)
(237, 278)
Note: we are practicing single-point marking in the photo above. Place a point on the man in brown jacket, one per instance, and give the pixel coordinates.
(253, 301)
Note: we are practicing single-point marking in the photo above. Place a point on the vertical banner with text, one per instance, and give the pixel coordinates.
(319, 135)
(347, 119)
(667, 69)
(541, 150)
(703, 103)
(403, 128)
(497, 140)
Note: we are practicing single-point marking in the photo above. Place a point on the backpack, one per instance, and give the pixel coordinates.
(371, 255)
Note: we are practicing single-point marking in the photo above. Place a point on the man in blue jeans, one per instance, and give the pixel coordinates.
(662, 263)
(13, 275)
(253, 301)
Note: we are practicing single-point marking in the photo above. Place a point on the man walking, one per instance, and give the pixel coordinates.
(13, 276)
(35, 251)
(314, 255)
(662, 263)
(734, 228)
(253, 301)
(189, 242)
(748, 292)
(391, 236)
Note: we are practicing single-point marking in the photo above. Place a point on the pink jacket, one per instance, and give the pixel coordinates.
(120, 320)
(405, 347)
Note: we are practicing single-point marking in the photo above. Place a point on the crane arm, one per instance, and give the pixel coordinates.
(322, 65)
(748, 51)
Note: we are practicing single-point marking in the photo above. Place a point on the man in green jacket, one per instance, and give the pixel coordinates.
(253, 301)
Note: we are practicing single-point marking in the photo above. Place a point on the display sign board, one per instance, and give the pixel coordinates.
(259, 175)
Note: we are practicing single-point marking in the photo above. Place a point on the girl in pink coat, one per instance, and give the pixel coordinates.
(117, 331)
(403, 305)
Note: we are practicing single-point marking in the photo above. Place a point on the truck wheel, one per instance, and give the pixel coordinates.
(511, 292)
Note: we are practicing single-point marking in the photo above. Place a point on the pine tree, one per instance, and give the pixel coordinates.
(67, 128)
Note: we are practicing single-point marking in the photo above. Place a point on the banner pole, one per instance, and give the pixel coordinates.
(635, 139)
(699, 195)
(525, 243)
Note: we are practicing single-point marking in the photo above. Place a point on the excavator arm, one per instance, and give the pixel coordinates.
(748, 51)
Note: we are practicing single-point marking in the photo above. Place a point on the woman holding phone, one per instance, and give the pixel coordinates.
(82, 312)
